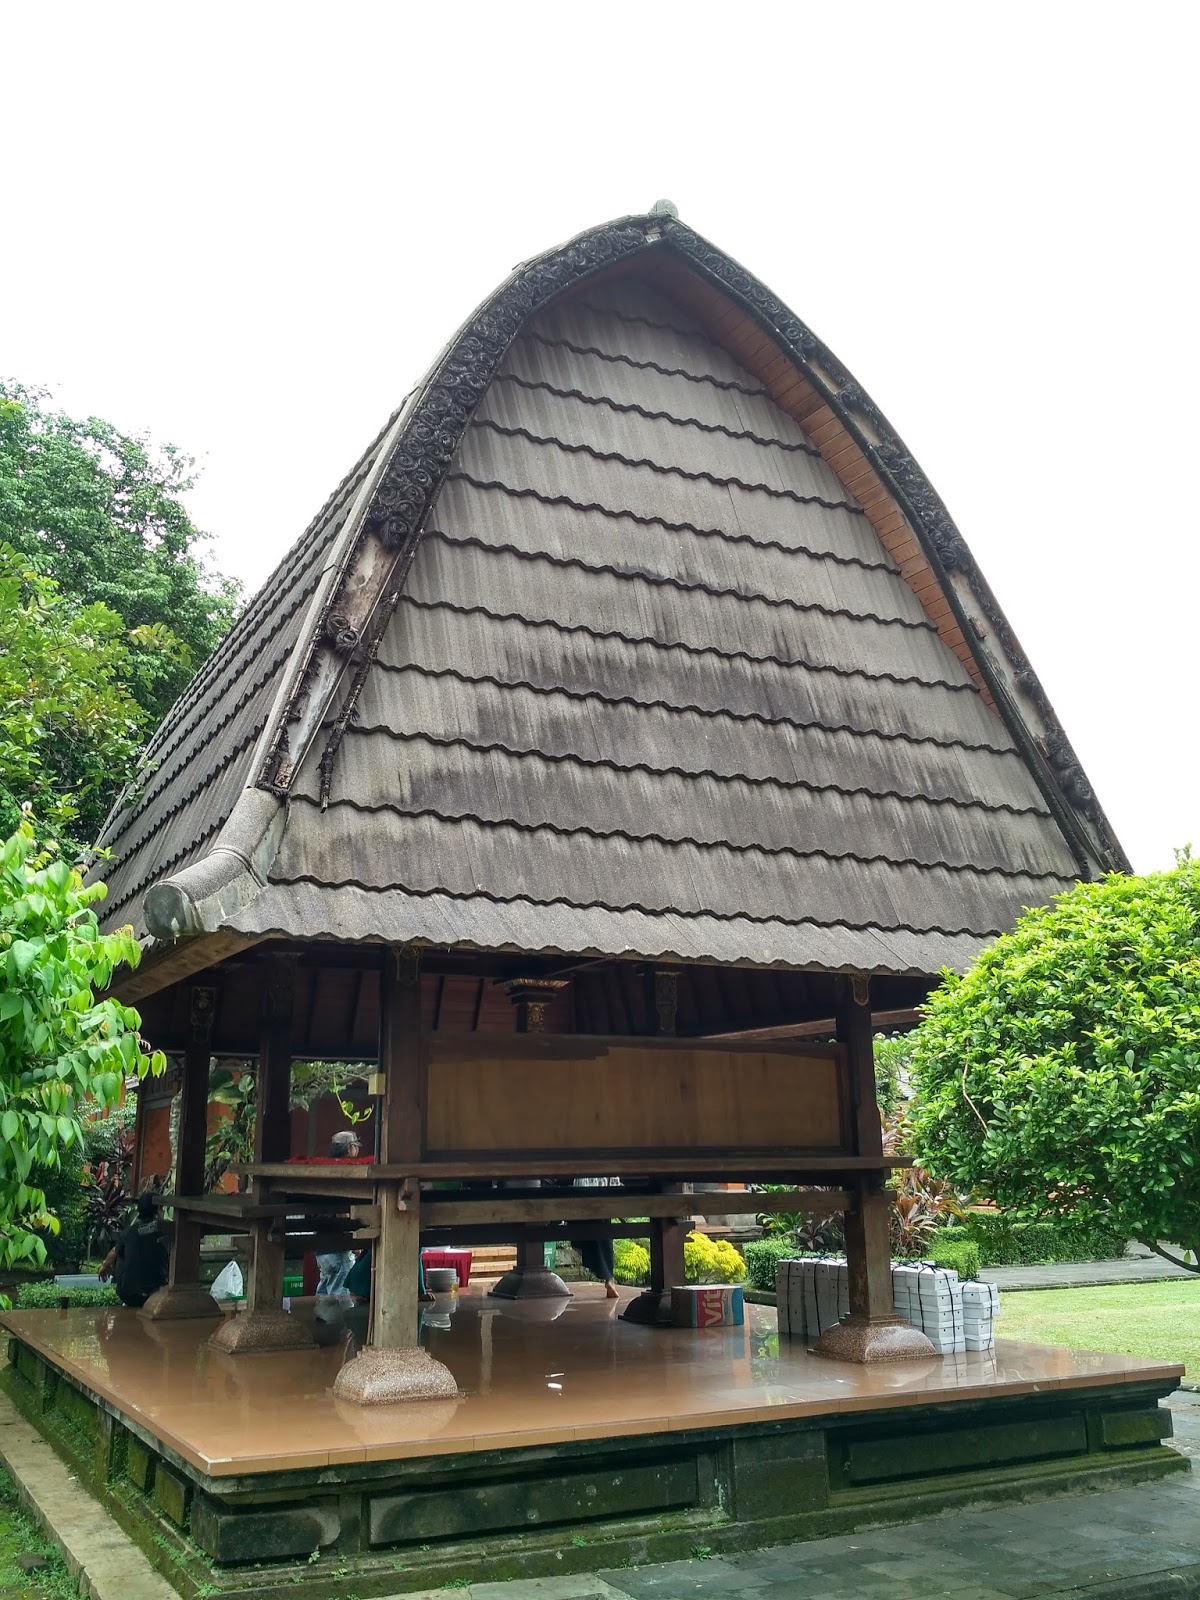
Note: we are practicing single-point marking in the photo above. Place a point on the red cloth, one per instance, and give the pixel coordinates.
(460, 1260)
(311, 1271)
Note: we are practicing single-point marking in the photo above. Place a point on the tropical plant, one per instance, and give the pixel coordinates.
(921, 1203)
(804, 1231)
(231, 1141)
(1061, 1072)
(107, 1204)
(62, 1051)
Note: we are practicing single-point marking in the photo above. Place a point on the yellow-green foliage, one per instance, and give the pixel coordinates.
(712, 1260)
(631, 1261)
(705, 1260)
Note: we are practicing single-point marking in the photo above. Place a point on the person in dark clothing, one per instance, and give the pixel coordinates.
(138, 1264)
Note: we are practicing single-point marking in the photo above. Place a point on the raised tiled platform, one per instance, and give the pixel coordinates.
(648, 1440)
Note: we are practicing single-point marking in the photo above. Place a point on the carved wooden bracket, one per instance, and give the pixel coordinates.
(531, 996)
(202, 1013)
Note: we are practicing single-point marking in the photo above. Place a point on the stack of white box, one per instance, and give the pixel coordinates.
(931, 1298)
(811, 1295)
(981, 1301)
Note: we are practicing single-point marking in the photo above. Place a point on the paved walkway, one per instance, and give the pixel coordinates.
(1087, 1274)
(1121, 1544)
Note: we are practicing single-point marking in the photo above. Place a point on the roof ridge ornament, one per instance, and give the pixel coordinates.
(664, 208)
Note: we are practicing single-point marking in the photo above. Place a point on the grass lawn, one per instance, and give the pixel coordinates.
(1157, 1320)
(18, 1537)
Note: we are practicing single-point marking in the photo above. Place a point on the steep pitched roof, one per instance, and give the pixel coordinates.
(636, 632)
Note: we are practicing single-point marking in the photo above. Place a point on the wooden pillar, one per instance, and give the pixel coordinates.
(872, 1331)
(182, 1296)
(531, 1278)
(273, 1118)
(400, 1056)
(395, 1312)
(667, 1234)
(139, 1139)
(854, 1031)
(394, 1366)
(272, 1132)
(264, 1325)
(193, 1131)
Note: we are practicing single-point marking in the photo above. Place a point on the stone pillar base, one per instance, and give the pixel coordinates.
(380, 1377)
(183, 1300)
(531, 1283)
(262, 1330)
(652, 1308)
(857, 1338)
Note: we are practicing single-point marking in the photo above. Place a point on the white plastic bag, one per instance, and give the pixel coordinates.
(228, 1283)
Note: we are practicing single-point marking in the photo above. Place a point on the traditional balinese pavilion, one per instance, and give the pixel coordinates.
(629, 736)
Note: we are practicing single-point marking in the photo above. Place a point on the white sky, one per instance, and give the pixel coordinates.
(248, 228)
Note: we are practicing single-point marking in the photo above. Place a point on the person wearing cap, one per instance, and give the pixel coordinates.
(334, 1265)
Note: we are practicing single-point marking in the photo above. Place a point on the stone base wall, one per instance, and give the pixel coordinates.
(378, 1527)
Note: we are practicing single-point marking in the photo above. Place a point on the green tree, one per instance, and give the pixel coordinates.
(62, 1051)
(1061, 1073)
(69, 726)
(100, 511)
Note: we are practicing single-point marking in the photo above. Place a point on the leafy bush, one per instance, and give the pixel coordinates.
(66, 1199)
(762, 1256)
(631, 1261)
(801, 1229)
(30, 1296)
(952, 1249)
(1061, 1073)
(1008, 1241)
(892, 1060)
(712, 1260)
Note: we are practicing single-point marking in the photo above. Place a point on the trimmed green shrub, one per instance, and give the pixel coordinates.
(712, 1260)
(631, 1261)
(31, 1296)
(1006, 1241)
(953, 1249)
(762, 1256)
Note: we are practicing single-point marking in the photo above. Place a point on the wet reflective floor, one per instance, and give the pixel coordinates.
(534, 1372)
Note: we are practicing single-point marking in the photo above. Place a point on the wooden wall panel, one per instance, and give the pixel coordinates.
(614, 1096)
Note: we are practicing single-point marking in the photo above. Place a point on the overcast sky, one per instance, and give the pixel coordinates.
(248, 229)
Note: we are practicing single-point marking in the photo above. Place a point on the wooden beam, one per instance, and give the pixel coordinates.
(808, 1027)
(605, 1204)
(718, 1166)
